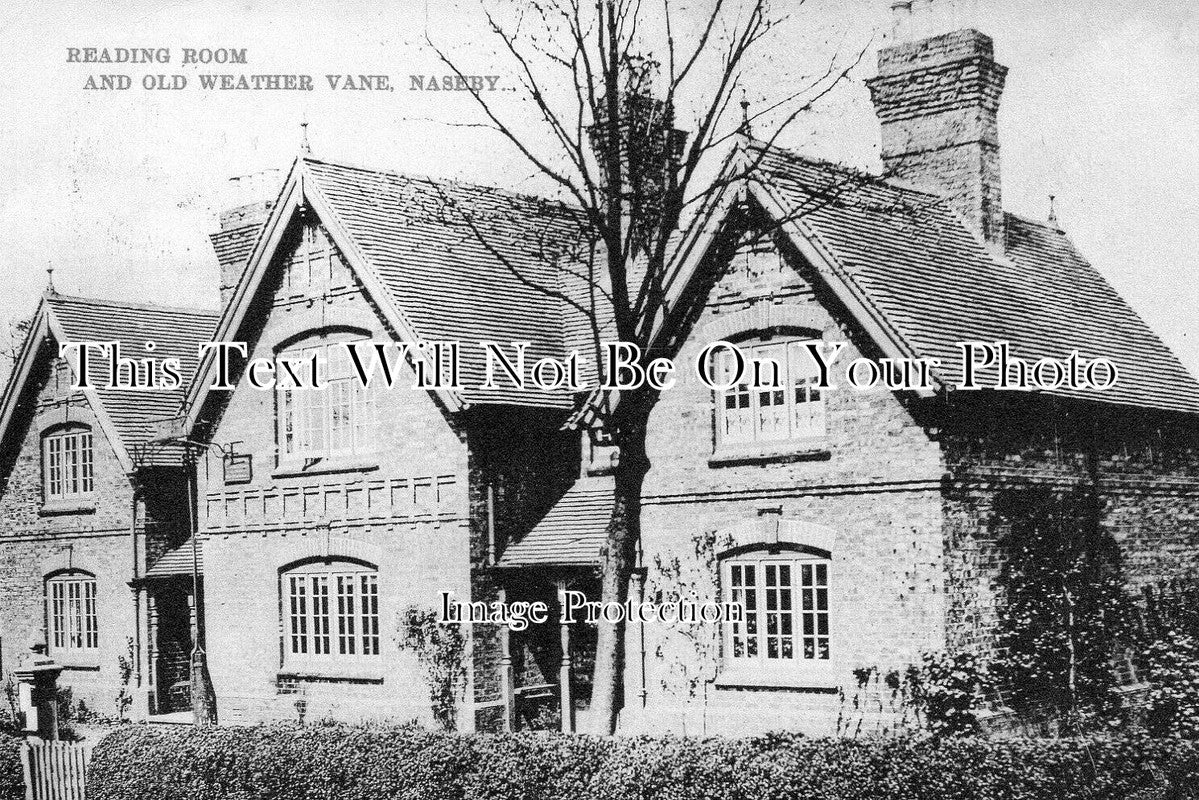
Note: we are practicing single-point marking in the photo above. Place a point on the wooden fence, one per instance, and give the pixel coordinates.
(55, 770)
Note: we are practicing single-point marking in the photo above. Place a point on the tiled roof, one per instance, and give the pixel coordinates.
(935, 284)
(461, 262)
(234, 245)
(176, 333)
(572, 533)
(178, 561)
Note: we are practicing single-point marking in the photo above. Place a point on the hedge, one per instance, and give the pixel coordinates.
(12, 778)
(290, 762)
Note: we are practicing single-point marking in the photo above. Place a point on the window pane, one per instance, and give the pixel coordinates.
(345, 615)
(85, 461)
(370, 616)
(736, 415)
(815, 611)
(73, 619)
(320, 615)
(339, 419)
(772, 423)
(332, 614)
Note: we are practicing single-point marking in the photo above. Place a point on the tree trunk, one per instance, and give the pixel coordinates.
(617, 562)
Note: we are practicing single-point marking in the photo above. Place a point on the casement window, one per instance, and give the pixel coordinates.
(786, 404)
(786, 603)
(67, 464)
(71, 613)
(339, 419)
(331, 612)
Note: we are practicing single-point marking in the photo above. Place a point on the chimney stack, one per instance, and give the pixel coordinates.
(937, 97)
(251, 199)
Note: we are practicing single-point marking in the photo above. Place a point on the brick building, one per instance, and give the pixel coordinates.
(91, 510)
(859, 528)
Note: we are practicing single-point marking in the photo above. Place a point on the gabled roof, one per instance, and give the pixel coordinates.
(920, 282)
(442, 260)
(572, 533)
(126, 416)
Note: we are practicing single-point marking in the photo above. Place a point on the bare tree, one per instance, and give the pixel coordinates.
(609, 145)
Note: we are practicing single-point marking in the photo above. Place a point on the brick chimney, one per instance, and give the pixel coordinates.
(937, 97)
(241, 224)
(651, 148)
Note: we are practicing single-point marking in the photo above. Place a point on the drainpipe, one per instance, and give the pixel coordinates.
(137, 606)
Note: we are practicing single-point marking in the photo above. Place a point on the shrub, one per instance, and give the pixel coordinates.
(290, 762)
(12, 779)
(945, 689)
(1172, 663)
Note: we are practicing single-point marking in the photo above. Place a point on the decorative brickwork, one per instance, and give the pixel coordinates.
(938, 101)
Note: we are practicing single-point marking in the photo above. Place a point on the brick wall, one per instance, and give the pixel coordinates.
(1145, 466)
(34, 543)
(404, 510)
(875, 485)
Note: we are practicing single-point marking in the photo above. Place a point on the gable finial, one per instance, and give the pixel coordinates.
(50, 281)
(744, 129)
(305, 148)
(1052, 211)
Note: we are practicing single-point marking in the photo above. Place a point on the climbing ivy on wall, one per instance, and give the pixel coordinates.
(1065, 609)
(440, 648)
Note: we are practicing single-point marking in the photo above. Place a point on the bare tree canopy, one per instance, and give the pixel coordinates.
(637, 107)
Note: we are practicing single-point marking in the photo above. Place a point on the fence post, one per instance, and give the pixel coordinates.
(26, 755)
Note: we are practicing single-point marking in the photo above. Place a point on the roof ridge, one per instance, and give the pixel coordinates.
(59, 297)
(866, 175)
(442, 180)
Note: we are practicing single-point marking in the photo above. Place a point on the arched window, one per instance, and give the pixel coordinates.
(71, 612)
(331, 611)
(67, 463)
(777, 402)
(337, 420)
(785, 596)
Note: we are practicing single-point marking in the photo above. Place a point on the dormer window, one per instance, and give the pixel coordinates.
(67, 464)
(786, 405)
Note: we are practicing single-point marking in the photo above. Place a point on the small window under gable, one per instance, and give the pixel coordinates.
(337, 421)
(68, 464)
(781, 402)
(316, 266)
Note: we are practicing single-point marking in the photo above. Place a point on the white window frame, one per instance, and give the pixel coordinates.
(73, 625)
(330, 614)
(751, 418)
(788, 632)
(340, 420)
(68, 464)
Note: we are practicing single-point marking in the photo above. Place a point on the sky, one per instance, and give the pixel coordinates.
(117, 191)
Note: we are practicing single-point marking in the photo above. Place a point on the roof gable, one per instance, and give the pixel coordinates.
(442, 261)
(127, 417)
(919, 282)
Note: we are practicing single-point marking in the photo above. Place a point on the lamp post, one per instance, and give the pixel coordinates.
(203, 696)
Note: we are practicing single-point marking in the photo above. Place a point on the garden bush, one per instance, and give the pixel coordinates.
(293, 762)
(12, 779)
